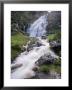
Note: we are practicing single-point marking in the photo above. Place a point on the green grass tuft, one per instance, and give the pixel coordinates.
(17, 40)
(55, 37)
(56, 67)
(44, 68)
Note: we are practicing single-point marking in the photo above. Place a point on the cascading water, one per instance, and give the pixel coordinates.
(27, 59)
(38, 28)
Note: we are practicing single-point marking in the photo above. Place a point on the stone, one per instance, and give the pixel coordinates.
(14, 66)
(44, 37)
(35, 68)
(55, 44)
(38, 44)
(46, 59)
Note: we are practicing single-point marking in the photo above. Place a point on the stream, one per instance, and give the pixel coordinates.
(25, 62)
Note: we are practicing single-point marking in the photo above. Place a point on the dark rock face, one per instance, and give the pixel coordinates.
(51, 75)
(55, 44)
(56, 47)
(46, 59)
(44, 37)
(38, 44)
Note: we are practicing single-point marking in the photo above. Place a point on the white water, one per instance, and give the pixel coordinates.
(28, 59)
(38, 28)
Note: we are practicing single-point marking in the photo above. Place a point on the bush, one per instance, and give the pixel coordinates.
(56, 67)
(17, 41)
(55, 37)
(44, 68)
(57, 62)
(16, 47)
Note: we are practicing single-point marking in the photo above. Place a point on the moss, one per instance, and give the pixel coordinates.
(14, 54)
(33, 40)
(17, 40)
(56, 67)
(57, 61)
(44, 68)
(55, 37)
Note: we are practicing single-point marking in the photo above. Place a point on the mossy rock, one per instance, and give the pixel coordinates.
(57, 61)
(44, 69)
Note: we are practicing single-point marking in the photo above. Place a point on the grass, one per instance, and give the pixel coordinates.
(17, 40)
(56, 67)
(54, 37)
(48, 68)
(57, 62)
(44, 68)
(51, 37)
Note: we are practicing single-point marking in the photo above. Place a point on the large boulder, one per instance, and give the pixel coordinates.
(50, 75)
(56, 47)
(46, 59)
(38, 44)
(14, 66)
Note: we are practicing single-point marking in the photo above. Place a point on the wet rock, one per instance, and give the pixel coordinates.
(38, 44)
(35, 68)
(23, 48)
(51, 75)
(56, 47)
(55, 44)
(46, 59)
(44, 37)
(55, 75)
(14, 66)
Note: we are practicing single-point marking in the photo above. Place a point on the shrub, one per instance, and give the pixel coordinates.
(57, 61)
(16, 47)
(17, 41)
(55, 37)
(44, 68)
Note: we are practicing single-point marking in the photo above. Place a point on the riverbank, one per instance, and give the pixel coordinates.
(27, 62)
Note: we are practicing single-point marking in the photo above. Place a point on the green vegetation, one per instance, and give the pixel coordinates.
(56, 67)
(17, 40)
(33, 40)
(44, 68)
(48, 68)
(57, 62)
(55, 37)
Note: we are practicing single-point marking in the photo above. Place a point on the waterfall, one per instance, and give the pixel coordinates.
(27, 60)
(38, 28)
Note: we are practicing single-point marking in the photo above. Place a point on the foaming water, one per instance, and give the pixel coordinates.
(28, 61)
(25, 62)
(38, 28)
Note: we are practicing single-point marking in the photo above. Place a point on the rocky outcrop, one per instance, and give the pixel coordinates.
(46, 59)
(50, 75)
(14, 66)
(55, 44)
(30, 46)
(56, 47)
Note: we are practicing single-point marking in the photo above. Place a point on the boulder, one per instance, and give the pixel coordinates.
(36, 68)
(46, 59)
(14, 66)
(56, 47)
(23, 48)
(55, 44)
(50, 75)
(38, 44)
(44, 37)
